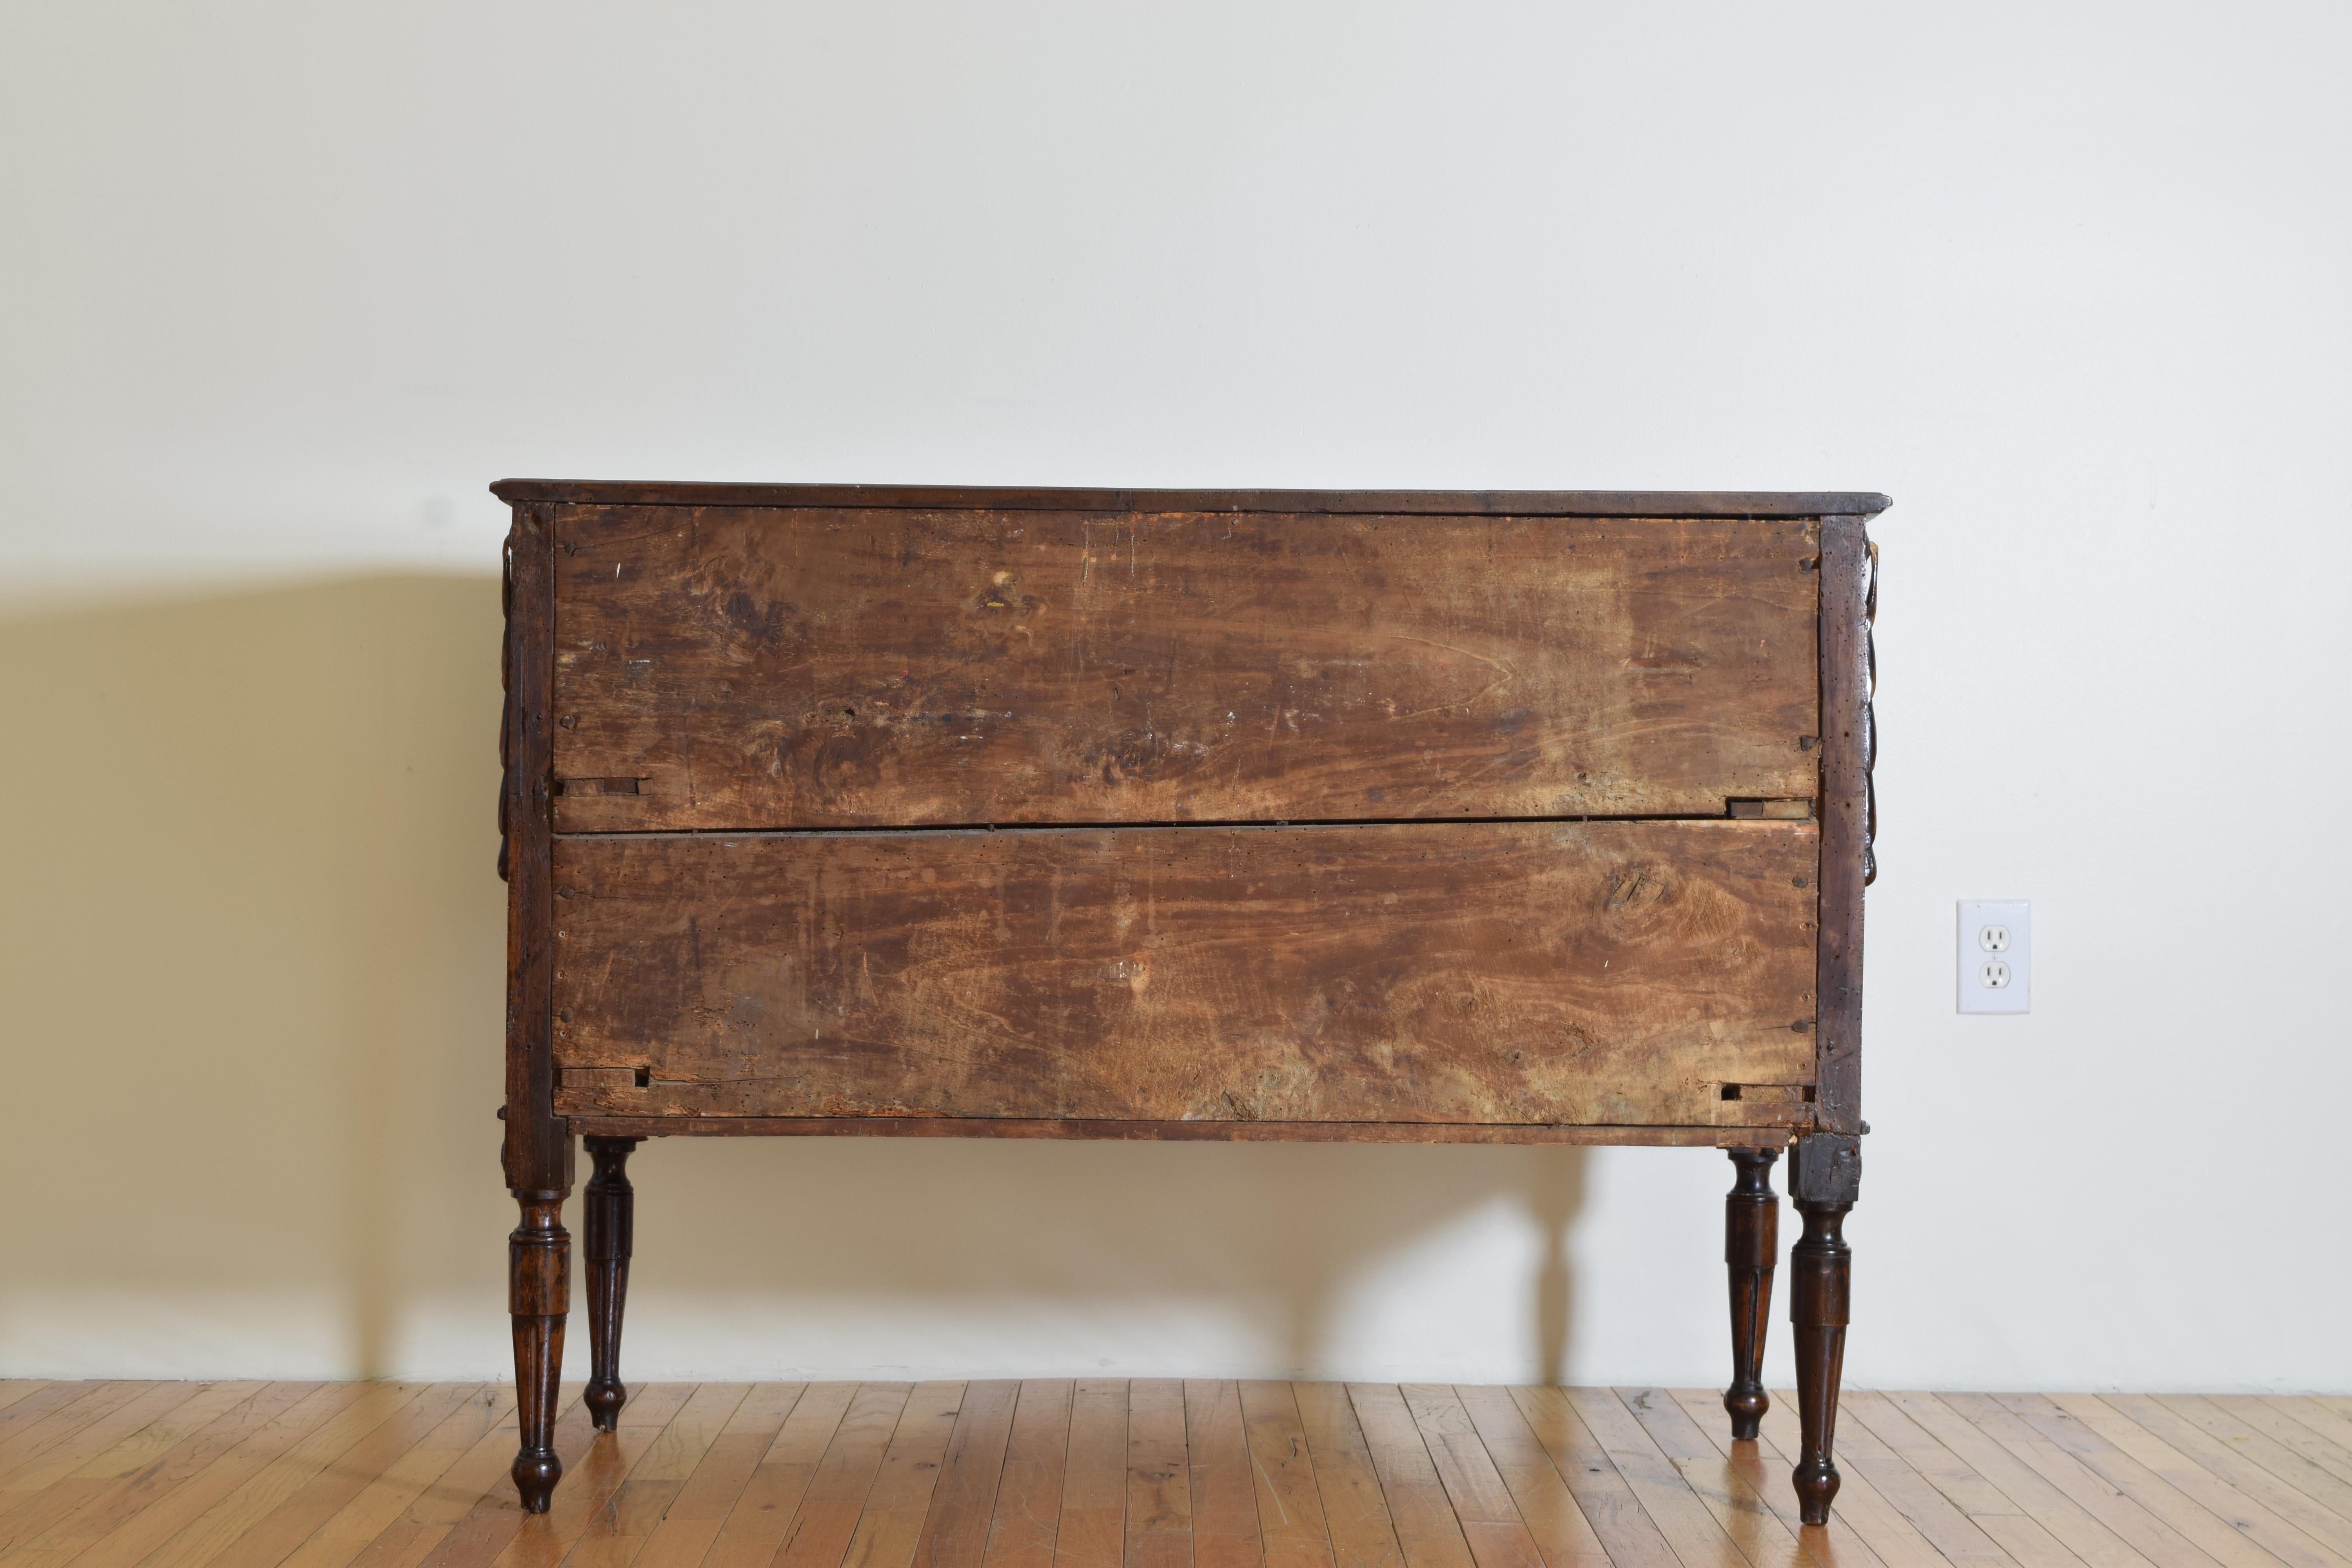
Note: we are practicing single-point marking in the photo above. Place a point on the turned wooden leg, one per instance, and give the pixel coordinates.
(1751, 1246)
(1825, 1176)
(538, 1294)
(610, 1207)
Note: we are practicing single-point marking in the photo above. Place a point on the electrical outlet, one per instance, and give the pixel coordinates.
(1996, 946)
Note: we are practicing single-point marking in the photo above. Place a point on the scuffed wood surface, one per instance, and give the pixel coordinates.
(1526, 972)
(740, 668)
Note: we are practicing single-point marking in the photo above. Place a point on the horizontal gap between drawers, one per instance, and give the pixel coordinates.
(1221, 827)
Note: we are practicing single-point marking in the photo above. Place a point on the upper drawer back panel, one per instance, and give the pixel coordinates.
(773, 668)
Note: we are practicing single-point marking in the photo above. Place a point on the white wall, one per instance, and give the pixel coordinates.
(286, 286)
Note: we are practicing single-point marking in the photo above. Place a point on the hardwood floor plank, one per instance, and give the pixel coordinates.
(2003, 1520)
(2068, 1521)
(827, 1522)
(1878, 1522)
(1483, 1505)
(1425, 1527)
(21, 1491)
(605, 1465)
(2200, 1517)
(955, 1532)
(1225, 1532)
(254, 1531)
(1916, 1496)
(1624, 1527)
(1289, 1507)
(1160, 1474)
(480, 1410)
(491, 1521)
(1738, 1509)
(1562, 1535)
(620, 1530)
(1027, 1514)
(12, 1389)
(2315, 1477)
(104, 1470)
(344, 1411)
(2223, 1461)
(1698, 1542)
(1159, 1477)
(21, 1451)
(692, 1523)
(2272, 1419)
(764, 1513)
(112, 1508)
(891, 1523)
(1348, 1483)
(1766, 1473)
(2315, 1418)
(1093, 1532)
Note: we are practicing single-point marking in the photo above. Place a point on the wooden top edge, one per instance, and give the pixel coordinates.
(1758, 504)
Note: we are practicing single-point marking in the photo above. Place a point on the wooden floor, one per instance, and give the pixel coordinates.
(1158, 1474)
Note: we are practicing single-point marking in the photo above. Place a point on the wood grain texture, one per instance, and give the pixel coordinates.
(538, 1153)
(1718, 1137)
(738, 669)
(1846, 747)
(1474, 1476)
(1007, 498)
(1600, 972)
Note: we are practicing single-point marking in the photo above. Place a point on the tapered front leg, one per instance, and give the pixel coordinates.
(538, 1295)
(1751, 1246)
(611, 1205)
(1826, 1177)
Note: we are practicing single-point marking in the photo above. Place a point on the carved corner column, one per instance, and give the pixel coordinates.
(538, 1295)
(610, 1204)
(1825, 1178)
(1751, 1246)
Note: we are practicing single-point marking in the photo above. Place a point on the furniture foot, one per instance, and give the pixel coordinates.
(610, 1209)
(538, 1294)
(1826, 1177)
(1751, 1246)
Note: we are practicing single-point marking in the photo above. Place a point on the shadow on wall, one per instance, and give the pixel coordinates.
(252, 984)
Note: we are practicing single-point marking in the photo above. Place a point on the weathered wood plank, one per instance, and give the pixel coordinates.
(955, 1530)
(736, 669)
(1737, 1507)
(1363, 1534)
(1028, 1510)
(1289, 1506)
(764, 1510)
(1426, 1525)
(1697, 1540)
(1159, 1477)
(1093, 1531)
(1483, 1504)
(891, 1525)
(1624, 1527)
(1765, 1471)
(1226, 1531)
(2155, 1518)
(1545, 1504)
(828, 1518)
(2077, 1528)
(1594, 972)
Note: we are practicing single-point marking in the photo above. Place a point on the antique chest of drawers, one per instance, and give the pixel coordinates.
(1406, 816)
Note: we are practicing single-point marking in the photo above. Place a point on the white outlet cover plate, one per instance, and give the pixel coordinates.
(1995, 958)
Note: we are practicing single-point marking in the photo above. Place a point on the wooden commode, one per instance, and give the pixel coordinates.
(1396, 817)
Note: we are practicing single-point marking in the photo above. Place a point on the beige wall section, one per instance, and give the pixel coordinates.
(253, 952)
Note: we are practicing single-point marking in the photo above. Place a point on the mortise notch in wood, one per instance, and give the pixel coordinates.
(1770, 810)
(600, 786)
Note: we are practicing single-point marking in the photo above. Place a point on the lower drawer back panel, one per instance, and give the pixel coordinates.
(1603, 972)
